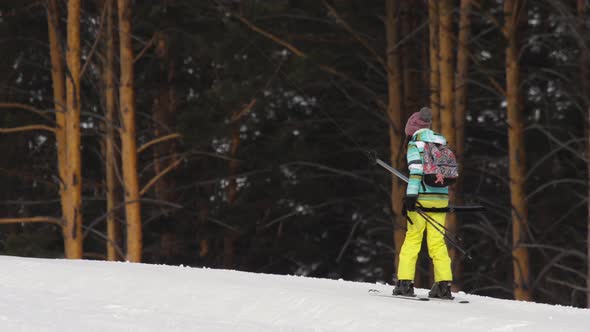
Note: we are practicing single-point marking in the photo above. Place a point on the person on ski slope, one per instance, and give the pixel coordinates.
(419, 194)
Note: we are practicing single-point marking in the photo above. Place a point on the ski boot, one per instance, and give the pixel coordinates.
(441, 290)
(404, 288)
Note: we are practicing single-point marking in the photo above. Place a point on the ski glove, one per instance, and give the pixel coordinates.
(409, 204)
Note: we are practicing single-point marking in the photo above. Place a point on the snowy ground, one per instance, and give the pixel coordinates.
(62, 295)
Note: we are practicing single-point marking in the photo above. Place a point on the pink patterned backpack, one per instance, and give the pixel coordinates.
(440, 165)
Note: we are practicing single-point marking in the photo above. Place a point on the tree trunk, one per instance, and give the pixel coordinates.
(113, 227)
(59, 102)
(72, 228)
(394, 111)
(447, 71)
(516, 148)
(409, 60)
(447, 87)
(460, 108)
(164, 116)
(127, 133)
(581, 4)
(410, 57)
(230, 237)
(434, 45)
(461, 82)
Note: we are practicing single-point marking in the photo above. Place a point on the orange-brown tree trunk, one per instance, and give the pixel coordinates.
(59, 101)
(433, 25)
(460, 106)
(127, 133)
(113, 227)
(516, 149)
(581, 5)
(394, 112)
(447, 72)
(202, 225)
(72, 228)
(447, 87)
(461, 79)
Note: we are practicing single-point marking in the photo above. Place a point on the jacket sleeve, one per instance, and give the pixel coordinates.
(416, 170)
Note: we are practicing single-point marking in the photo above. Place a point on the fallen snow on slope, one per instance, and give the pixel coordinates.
(64, 295)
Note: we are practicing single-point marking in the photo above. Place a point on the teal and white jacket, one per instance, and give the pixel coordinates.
(415, 164)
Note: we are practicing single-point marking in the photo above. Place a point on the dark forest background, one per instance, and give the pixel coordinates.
(269, 108)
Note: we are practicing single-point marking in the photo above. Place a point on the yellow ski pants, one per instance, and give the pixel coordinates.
(437, 249)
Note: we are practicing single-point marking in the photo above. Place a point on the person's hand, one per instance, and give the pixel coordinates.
(410, 203)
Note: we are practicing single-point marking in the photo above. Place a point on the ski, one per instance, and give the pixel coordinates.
(376, 292)
(450, 208)
(456, 209)
(455, 300)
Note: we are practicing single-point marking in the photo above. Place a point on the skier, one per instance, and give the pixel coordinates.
(421, 195)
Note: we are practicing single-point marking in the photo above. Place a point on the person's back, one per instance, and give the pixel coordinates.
(415, 156)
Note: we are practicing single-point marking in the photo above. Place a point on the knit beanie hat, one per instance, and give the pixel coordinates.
(419, 120)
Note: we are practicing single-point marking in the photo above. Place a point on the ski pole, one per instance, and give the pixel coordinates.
(449, 239)
(439, 227)
(427, 216)
(392, 170)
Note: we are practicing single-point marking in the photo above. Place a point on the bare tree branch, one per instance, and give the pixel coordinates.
(270, 36)
(98, 35)
(26, 128)
(26, 108)
(348, 240)
(300, 53)
(568, 284)
(355, 34)
(158, 140)
(52, 220)
(146, 47)
(160, 175)
(238, 115)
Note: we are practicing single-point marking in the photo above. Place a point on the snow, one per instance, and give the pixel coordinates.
(66, 295)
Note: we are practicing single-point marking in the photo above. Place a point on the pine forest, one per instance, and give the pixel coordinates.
(243, 135)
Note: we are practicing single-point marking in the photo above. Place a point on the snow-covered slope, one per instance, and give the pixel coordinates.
(62, 295)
